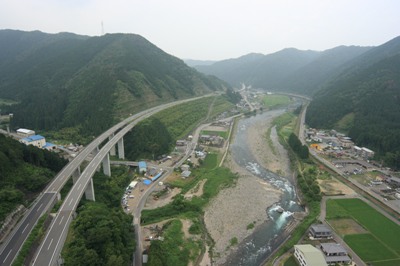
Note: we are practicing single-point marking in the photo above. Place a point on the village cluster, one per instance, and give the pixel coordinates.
(353, 160)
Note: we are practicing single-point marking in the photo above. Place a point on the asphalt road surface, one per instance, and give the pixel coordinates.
(17, 238)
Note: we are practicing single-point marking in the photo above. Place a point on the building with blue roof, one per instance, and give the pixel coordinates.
(142, 167)
(35, 140)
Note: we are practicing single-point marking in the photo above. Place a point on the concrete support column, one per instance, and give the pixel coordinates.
(95, 151)
(121, 151)
(89, 192)
(106, 165)
(112, 150)
(76, 174)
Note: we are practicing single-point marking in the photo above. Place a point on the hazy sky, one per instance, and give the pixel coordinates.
(215, 29)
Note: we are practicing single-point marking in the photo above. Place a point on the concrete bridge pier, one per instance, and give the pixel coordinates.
(121, 151)
(76, 174)
(106, 165)
(95, 151)
(89, 192)
(112, 150)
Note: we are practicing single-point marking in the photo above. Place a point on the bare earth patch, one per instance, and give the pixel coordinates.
(151, 203)
(197, 191)
(333, 187)
(347, 227)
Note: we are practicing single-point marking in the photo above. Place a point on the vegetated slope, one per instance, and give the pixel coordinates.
(24, 171)
(312, 77)
(368, 97)
(289, 70)
(66, 80)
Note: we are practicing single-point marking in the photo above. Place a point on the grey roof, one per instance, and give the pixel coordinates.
(320, 228)
(333, 259)
(333, 248)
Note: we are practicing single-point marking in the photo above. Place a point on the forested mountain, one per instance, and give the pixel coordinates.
(292, 70)
(87, 83)
(364, 101)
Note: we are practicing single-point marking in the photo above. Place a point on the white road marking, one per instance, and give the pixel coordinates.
(39, 207)
(79, 186)
(70, 202)
(50, 244)
(7, 255)
(24, 229)
(61, 220)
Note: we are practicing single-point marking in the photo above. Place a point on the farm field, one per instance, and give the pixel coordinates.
(272, 101)
(376, 241)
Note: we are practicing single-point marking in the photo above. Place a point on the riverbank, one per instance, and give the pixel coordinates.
(230, 217)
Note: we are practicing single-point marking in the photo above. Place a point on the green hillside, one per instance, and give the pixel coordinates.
(24, 172)
(88, 83)
(371, 97)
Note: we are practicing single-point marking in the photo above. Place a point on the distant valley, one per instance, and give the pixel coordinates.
(354, 89)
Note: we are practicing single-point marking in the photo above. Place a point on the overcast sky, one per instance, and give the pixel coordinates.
(215, 29)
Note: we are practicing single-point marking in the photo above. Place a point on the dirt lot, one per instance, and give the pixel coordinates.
(347, 227)
(332, 187)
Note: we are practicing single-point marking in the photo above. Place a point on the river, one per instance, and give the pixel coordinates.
(268, 236)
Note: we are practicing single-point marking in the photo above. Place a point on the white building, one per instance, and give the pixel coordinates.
(35, 140)
(25, 132)
(307, 255)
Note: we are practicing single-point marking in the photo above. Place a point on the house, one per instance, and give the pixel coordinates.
(367, 153)
(35, 140)
(25, 132)
(308, 255)
(142, 167)
(346, 143)
(185, 167)
(334, 254)
(320, 231)
(394, 181)
(180, 142)
(185, 174)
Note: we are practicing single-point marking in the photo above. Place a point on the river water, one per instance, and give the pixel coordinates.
(268, 236)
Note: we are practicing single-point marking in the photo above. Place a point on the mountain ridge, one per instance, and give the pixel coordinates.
(68, 80)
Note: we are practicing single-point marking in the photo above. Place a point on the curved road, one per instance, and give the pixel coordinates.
(52, 245)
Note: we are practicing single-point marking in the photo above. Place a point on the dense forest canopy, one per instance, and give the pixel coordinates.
(62, 81)
(24, 172)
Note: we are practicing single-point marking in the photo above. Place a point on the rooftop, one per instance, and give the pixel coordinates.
(142, 164)
(320, 228)
(312, 255)
(333, 248)
(33, 138)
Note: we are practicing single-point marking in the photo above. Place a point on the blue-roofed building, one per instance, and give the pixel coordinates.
(35, 140)
(49, 146)
(142, 167)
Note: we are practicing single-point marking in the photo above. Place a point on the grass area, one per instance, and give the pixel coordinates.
(274, 101)
(223, 134)
(217, 179)
(369, 248)
(381, 242)
(211, 161)
(291, 261)
(180, 251)
(7, 102)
